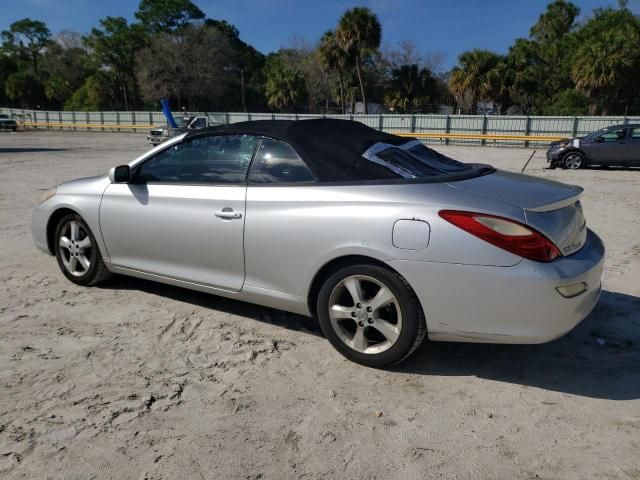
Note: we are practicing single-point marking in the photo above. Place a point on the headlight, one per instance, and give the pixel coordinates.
(564, 145)
(47, 195)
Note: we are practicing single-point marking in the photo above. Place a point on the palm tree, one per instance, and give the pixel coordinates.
(409, 88)
(359, 34)
(333, 58)
(602, 65)
(473, 76)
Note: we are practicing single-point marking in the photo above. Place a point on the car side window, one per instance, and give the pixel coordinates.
(635, 133)
(277, 162)
(210, 159)
(199, 123)
(614, 135)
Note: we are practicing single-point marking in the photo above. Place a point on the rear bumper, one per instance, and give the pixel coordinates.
(518, 304)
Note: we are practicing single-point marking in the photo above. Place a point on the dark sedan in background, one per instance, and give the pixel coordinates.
(7, 123)
(618, 145)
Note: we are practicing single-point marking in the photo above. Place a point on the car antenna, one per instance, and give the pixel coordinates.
(525, 165)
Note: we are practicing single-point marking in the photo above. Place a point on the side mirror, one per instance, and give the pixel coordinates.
(120, 174)
(599, 139)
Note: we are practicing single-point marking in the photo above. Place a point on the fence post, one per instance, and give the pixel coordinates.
(73, 119)
(88, 118)
(46, 116)
(226, 118)
(102, 120)
(574, 127)
(133, 120)
(484, 129)
(60, 120)
(118, 120)
(380, 122)
(447, 129)
(527, 131)
(35, 117)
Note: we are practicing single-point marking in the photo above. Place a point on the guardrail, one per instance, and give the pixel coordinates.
(87, 126)
(436, 128)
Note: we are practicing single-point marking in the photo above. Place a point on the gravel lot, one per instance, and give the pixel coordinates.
(139, 380)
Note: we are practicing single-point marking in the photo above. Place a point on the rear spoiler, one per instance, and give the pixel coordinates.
(560, 203)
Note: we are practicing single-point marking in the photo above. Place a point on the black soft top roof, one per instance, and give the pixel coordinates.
(331, 148)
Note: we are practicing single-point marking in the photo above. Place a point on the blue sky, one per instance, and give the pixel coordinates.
(449, 26)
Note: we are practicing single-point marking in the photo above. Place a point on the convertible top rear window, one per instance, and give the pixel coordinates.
(414, 160)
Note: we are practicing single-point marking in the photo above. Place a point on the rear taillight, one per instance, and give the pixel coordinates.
(507, 234)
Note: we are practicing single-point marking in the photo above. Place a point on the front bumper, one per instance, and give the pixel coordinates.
(39, 219)
(554, 155)
(518, 304)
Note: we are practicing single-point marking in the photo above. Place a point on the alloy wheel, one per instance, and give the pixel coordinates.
(365, 314)
(573, 161)
(75, 248)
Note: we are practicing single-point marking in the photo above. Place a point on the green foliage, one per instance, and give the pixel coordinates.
(25, 90)
(607, 60)
(285, 88)
(24, 40)
(158, 16)
(410, 89)
(67, 69)
(563, 67)
(568, 102)
(96, 93)
(474, 75)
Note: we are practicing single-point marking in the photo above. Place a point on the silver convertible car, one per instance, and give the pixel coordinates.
(383, 239)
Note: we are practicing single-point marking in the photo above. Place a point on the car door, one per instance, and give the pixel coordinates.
(280, 219)
(610, 148)
(633, 147)
(182, 214)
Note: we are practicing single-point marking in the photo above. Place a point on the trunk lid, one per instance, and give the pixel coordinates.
(552, 208)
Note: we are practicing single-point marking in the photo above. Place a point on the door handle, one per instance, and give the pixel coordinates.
(228, 214)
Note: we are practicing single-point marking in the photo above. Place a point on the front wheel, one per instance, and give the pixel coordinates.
(573, 160)
(77, 252)
(371, 315)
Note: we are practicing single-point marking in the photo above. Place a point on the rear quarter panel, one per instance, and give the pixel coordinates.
(292, 231)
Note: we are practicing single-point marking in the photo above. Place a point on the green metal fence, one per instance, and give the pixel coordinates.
(141, 121)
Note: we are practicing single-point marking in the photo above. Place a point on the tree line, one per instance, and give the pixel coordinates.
(566, 66)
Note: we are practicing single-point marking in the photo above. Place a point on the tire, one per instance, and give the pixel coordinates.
(80, 260)
(379, 336)
(573, 160)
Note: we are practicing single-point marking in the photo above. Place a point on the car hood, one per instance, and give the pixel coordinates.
(87, 185)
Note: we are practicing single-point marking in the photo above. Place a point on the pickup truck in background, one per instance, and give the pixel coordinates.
(7, 123)
(160, 134)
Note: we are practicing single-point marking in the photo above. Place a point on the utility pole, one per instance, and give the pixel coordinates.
(244, 104)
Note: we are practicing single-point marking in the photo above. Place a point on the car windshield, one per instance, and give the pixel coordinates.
(415, 160)
(4, 116)
(597, 133)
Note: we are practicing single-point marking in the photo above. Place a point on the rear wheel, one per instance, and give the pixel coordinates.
(77, 252)
(371, 315)
(573, 160)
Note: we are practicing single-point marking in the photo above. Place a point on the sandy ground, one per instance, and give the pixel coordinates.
(139, 380)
